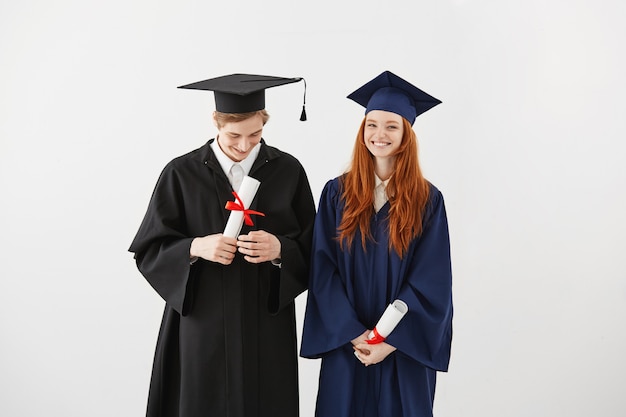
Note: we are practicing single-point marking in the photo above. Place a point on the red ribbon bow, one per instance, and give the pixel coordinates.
(238, 206)
(376, 339)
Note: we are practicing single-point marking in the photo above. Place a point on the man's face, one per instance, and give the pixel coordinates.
(236, 139)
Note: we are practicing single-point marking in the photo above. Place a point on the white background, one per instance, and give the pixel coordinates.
(527, 147)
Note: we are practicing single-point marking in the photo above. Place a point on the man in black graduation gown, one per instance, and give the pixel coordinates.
(227, 343)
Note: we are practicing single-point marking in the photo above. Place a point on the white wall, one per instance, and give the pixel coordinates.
(527, 147)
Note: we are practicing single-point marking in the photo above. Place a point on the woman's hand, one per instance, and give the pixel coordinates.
(361, 339)
(372, 354)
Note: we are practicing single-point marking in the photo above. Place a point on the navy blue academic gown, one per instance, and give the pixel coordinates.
(348, 292)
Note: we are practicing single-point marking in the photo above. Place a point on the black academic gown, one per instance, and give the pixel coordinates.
(227, 343)
(348, 292)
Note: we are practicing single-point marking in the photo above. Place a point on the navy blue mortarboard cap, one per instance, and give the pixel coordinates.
(391, 93)
(242, 93)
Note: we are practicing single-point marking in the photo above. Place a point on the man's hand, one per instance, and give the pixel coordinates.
(259, 246)
(215, 248)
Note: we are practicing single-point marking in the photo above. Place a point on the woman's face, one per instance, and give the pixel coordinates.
(236, 139)
(383, 133)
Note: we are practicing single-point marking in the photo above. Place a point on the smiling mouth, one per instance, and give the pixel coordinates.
(380, 144)
(238, 155)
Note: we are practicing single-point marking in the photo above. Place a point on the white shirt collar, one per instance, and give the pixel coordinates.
(379, 181)
(380, 193)
(226, 163)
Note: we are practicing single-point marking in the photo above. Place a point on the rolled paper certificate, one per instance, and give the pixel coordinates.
(388, 321)
(246, 193)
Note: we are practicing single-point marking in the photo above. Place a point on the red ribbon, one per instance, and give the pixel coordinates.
(376, 339)
(238, 206)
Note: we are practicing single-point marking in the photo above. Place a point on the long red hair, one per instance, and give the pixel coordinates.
(407, 191)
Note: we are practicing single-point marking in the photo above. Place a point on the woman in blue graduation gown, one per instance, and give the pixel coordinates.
(380, 234)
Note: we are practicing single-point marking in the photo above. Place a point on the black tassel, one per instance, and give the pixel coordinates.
(303, 114)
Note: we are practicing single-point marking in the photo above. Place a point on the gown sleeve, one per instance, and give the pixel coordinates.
(425, 333)
(295, 249)
(330, 319)
(161, 246)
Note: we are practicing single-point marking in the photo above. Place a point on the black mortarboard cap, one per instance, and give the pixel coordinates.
(242, 93)
(391, 93)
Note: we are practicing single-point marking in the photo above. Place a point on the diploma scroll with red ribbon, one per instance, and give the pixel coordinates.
(240, 212)
(387, 322)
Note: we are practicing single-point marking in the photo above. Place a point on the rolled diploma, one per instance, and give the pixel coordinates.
(247, 191)
(390, 318)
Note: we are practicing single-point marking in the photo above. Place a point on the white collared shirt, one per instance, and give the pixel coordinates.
(226, 163)
(380, 193)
